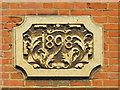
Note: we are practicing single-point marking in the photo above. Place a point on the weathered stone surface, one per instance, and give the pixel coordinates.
(58, 46)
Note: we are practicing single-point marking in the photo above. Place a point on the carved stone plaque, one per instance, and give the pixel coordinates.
(58, 46)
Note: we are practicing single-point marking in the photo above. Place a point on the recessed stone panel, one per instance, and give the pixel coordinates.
(58, 46)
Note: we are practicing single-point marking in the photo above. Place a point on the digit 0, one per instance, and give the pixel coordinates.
(58, 40)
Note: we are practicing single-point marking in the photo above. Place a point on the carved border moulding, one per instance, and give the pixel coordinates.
(58, 46)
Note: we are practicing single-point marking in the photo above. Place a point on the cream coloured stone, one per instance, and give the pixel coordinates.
(42, 50)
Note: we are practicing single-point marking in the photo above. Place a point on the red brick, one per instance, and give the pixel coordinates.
(113, 19)
(110, 82)
(113, 47)
(80, 12)
(1, 69)
(5, 19)
(1, 54)
(13, 83)
(97, 5)
(42, 83)
(64, 12)
(1, 12)
(0, 46)
(66, 89)
(5, 5)
(60, 83)
(4, 33)
(111, 40)
(14, 5)
(9, 26)
(106, 34)
(5, 75)
(14, 12)
(1, 61)
(96, 12)
(97, 82)
(4, 47)
(114, 34)
(30, 83)
(110, 13)
(79, 89)
(83, 83)
(113, 75)
(48, 5)
(31, 12)
(106, 47)
(63, 5)
(100, 19)
(5, 61)
(11, 19)
(1, 40)
(48, 12)
(11, 61)
(100, 76)
(8, 54)
(113, 61)
(113, 5)
(48, 89)
(7, 40)
(80, 5)
(0, 4)
(1, 84)
(106, 61)
(37, 83)
(15, 19)
(0, 18)
(111, 27)
(8, 68)
(111, 68)
(32, 5)
(1, 26)
(0, 75)
(111, 54)
(16, 76)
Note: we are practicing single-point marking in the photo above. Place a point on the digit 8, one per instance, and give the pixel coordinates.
(68, 38)
(49, 43)
(68, 41)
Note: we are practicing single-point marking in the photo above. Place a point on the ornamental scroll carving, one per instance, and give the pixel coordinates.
(58, 46)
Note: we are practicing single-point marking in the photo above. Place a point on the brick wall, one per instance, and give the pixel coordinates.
(103, 14)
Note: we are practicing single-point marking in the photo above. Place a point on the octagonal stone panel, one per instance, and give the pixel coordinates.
(58, 46)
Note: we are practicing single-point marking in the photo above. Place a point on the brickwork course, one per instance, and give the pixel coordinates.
(104, 14)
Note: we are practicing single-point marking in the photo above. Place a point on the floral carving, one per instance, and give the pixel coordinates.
(58, 46)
